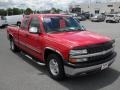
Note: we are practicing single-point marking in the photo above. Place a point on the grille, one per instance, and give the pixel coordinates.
(101, 57)
(99, 48)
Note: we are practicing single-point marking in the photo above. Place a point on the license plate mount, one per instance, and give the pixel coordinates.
(104, 66)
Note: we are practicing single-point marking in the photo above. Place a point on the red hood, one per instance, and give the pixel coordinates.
(82, 38)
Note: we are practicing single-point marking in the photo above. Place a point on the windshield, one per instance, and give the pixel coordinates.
(61, 24)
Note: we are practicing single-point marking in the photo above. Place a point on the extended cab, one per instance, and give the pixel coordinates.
(61, 43)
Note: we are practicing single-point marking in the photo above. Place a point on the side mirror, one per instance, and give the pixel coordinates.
(33, 30)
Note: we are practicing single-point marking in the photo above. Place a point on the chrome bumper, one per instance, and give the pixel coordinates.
(73, 71)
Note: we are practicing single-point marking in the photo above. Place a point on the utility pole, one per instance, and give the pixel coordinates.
(89, 6)
(7, 12)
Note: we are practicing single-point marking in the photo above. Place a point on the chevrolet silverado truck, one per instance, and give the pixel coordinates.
(62, 44)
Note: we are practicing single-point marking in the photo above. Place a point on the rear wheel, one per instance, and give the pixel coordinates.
(55, 67)
(13, 47)
(18, 23)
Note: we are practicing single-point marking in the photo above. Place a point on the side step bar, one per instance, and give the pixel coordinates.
(33, 60)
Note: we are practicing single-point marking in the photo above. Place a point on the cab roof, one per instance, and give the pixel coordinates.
(45, 15)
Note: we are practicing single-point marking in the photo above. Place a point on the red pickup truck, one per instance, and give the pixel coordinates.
(62, 44)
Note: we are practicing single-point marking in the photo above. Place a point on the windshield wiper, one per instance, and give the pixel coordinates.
(70, 30)
(54, 31)
(66, 30)
(76, 29)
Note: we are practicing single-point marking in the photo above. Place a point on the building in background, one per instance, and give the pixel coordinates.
(95, 8)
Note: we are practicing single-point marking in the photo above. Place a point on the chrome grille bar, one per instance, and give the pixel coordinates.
(92, 55)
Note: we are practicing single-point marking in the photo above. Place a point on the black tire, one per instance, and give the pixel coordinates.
(60, 74)
(13, 47)
(18, 23)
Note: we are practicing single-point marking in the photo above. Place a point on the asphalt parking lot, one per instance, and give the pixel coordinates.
(19, 73)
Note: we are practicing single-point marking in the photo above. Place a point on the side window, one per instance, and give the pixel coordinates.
(3, 18)
(35, 22)
(25, 23)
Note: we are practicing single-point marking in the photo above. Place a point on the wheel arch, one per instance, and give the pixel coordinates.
(10, 36)
(49, 50)
(18, 22)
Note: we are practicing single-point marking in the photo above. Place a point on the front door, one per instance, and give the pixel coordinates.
(34, 40)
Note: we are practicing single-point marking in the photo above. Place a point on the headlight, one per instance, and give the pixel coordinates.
(78, 52)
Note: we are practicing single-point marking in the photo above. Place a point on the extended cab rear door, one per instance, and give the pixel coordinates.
(23, 33)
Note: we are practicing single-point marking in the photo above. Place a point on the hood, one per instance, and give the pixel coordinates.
(79, 38)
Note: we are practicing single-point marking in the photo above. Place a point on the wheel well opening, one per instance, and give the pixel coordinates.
(18, 22)
(48, 52)
(10, 37)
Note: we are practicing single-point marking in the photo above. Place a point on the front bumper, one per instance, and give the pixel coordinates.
(72, 69)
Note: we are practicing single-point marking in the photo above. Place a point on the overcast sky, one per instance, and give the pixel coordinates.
(43, 4)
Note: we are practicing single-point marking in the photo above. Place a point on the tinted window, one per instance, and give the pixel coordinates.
(97, 11)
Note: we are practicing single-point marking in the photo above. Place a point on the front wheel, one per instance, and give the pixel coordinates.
(55, 67)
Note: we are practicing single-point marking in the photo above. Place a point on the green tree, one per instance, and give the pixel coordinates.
(58, 10)
(3, 12)
(16, 11)
(28, 11)
(54, 10)
(38, 12)
(10, 11)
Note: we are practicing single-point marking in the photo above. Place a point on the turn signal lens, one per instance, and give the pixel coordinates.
(78, 60)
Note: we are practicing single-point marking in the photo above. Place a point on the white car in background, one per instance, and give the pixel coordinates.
(14, 19)
(73, 14)
(3, 21)
(113, 18)
(118, 15)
